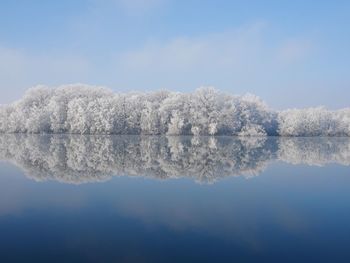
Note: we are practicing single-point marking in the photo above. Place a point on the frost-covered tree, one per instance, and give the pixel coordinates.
(175, 114)
(150, 116)
(206, 104)
(314, 122)
(253, 114)
(85, 109)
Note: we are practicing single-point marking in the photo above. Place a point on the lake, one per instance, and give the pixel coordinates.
(79, 198)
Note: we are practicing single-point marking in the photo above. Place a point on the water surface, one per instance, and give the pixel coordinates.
(174, 199)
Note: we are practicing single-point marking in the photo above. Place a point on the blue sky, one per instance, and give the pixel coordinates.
(290, 53)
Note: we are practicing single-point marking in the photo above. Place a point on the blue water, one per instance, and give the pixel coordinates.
(287, 209)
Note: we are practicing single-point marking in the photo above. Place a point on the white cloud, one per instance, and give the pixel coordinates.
(139, 5)
(239, 60)
(238, 50)
(228, 49)
(129, 7)
(294, 50)
(19, 70)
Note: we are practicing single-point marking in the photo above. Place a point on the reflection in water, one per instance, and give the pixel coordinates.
(80, 158)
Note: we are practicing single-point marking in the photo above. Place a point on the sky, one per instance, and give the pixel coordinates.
(290, 53)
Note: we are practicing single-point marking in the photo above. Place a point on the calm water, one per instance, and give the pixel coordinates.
(174, 199)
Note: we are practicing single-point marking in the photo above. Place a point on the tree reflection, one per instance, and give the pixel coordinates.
(81, 158)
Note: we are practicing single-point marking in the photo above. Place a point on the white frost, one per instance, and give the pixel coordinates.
(83, 109)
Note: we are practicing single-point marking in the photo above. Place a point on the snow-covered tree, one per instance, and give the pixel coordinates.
(314, 122)
(86, 109)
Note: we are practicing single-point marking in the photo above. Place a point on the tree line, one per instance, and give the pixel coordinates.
(82, 109)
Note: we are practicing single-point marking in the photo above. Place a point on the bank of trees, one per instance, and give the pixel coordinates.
(314, 122)
(84, 109)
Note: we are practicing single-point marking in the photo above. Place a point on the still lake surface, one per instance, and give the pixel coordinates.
(174, 199)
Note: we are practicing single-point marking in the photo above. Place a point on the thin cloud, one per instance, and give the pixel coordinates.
(228, 49)
(243, 58)
(294, 50)
(20, 70)
(239, 52)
